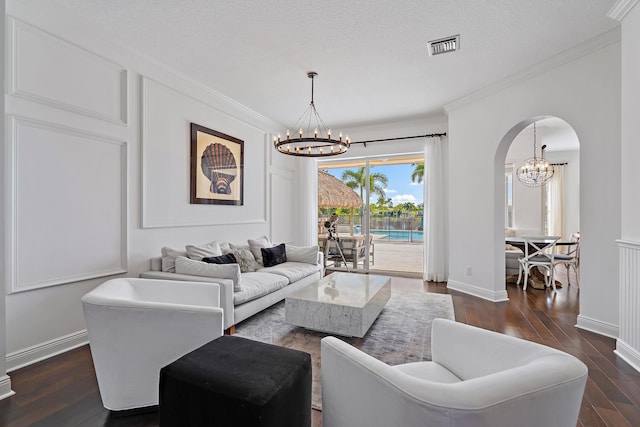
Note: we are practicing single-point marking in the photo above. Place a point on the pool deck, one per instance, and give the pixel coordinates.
(397, 257)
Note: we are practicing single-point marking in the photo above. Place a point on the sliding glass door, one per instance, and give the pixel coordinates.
(384, 233)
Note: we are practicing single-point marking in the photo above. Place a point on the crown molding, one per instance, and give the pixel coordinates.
(603, 40)
(620, 9)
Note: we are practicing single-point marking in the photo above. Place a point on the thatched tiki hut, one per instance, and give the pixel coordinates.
(333, 193)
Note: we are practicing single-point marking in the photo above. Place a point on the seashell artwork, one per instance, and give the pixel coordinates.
(219, 165)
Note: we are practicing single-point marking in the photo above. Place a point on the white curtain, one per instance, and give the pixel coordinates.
(554, 201)
(435, 224)
(308, 191)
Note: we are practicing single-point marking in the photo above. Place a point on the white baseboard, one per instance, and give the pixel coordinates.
(628, 354)
(598, 326)
(478, 292)
(5, 387)
(43, 351)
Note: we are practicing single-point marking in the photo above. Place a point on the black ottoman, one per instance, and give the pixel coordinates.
(233, 381)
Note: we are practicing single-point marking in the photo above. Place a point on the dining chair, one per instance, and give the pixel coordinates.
(570, 259)
(539, 251)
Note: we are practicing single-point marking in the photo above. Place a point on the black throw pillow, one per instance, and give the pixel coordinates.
(274, 256)
(222, 259)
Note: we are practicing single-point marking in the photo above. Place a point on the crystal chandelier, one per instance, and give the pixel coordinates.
(536, 171)
(315, 139)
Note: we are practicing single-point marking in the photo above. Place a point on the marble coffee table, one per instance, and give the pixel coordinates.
(341, 303)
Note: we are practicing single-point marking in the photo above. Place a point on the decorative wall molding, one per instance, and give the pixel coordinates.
(628, 342)
(283, 190)
(46, 69)
(38, 188)
(556, 61)
(599, 327)
(621, 8)
(160, 146)
(46, 350)
(478, 292)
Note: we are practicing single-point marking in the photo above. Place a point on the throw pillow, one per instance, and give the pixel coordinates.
(256, 246)
(306, 254)
(201, 251)
(169, 258)
(222, 259)
(234, 246)
(219, 271)
(274, 256)
(246, 260)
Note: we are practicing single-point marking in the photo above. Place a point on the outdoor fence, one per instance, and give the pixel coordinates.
(390, 227)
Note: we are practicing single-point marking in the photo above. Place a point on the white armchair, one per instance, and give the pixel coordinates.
(477, 378)
(137, 326)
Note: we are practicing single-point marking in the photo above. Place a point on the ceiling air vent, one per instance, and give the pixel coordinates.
(448, 44)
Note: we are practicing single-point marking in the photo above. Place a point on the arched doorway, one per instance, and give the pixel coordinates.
(551, 209)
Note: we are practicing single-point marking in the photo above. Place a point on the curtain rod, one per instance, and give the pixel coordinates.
(559, 164)
(399, 138)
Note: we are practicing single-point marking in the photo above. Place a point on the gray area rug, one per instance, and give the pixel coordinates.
(401, 334)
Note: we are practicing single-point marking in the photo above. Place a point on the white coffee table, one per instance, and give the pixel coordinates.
(341, 303)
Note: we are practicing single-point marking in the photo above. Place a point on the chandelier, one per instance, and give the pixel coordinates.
(315, 139)
(536, 171)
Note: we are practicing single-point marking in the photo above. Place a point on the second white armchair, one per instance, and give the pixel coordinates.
(477, 378)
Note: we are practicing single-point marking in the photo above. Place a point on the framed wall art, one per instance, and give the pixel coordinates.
(217, 171)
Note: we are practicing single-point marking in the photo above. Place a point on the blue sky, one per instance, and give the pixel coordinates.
(400, 188)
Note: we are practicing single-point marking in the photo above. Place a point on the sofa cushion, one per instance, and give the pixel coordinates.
(257, 244)
(306, 254)
(274, 256)
(258, 284)
(169, 256)
(198, 252)
(199, 268)
(293, 271)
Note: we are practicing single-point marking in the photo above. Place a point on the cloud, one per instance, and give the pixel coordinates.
(403, 198)
(388, 190)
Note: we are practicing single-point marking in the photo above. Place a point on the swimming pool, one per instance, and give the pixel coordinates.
(400, 235)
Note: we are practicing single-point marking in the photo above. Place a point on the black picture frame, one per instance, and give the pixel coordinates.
(217, 167)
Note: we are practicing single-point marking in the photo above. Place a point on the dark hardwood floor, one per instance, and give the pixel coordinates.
(62, 391)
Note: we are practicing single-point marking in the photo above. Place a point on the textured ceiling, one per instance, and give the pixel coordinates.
(371, 55)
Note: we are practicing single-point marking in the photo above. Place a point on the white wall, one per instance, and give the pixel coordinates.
(5, 381)
(630, 126)
(115, 127)
(527, 201)
(582, 87)
(628, 344)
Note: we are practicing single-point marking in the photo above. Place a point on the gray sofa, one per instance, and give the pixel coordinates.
(259, 289)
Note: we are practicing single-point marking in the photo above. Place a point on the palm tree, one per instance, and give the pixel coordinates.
(356, 179)
(384, 203)
(418, 173)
